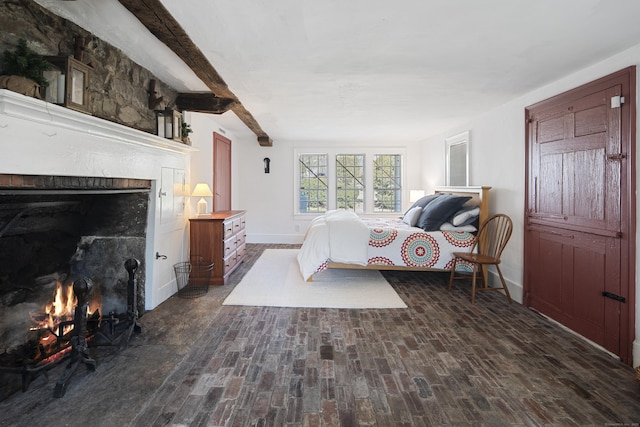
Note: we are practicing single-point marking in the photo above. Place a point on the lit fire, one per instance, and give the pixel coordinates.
(61, 309)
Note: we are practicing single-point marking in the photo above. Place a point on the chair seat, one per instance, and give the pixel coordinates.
(477, 258)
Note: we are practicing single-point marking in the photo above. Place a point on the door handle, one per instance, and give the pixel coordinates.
(158, 256)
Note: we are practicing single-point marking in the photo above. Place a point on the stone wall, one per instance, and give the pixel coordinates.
(118, 89)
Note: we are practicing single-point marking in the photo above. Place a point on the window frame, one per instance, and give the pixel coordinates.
(354, 188)
(298, 183)
(457, 158)
(332, 152)
(399, 189)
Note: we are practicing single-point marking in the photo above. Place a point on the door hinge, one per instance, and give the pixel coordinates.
(617, 156)
(617, 101)
(613, 296)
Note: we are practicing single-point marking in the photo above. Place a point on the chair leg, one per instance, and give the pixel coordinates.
(483, 274)
(473, 284)
(453, 272)
(504, 284)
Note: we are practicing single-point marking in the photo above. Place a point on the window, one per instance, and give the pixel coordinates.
(364, 180)
(387, 183)
(350, 182)
(313, 195)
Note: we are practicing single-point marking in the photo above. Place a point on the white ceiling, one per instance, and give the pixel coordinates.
(345, 70)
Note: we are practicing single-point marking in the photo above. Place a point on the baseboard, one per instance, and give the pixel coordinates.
(289, 239)
(162, 294)
(515, 289)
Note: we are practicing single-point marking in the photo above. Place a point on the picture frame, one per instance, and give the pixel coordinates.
(169, 124)
(73, 89)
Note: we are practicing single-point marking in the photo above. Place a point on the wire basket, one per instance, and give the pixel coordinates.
(193, 277)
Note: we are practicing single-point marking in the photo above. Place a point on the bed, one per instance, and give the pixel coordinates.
(342, 239)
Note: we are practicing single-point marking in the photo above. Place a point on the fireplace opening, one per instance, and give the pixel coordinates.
(52, 234)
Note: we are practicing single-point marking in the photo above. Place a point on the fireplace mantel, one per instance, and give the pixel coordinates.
(55, 117)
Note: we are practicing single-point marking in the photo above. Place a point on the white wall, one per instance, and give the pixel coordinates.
(497, 158)
(269, 198)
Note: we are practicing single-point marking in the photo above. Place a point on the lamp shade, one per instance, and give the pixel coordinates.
(202, 190)
(415, 195)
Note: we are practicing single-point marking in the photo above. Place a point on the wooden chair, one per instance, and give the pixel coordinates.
(492, 237)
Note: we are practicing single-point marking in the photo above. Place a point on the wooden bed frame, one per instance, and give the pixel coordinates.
(479, 196)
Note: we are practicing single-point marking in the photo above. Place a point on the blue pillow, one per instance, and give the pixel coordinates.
(440, 210)
(423, 201)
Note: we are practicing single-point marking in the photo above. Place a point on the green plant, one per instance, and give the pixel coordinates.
(26, 63)
(186, 129)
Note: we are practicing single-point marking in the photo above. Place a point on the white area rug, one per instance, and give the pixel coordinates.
(275, 280)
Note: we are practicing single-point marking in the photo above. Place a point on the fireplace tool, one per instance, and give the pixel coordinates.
(79, 349)
(131, 265)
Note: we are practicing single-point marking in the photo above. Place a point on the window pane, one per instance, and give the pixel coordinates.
(350, 182)
(387, 185)
(313, 182)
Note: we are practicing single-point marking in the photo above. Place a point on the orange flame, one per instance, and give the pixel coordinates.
(62, 306)
(61, 309)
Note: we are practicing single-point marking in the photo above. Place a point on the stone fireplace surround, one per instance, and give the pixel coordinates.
(39, 139)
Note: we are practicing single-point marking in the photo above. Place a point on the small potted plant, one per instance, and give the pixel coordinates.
(186, 130)
(23, 71)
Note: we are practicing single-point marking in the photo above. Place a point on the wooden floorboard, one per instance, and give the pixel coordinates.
(441, 361)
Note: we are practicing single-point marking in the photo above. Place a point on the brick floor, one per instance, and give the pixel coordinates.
(441, 361)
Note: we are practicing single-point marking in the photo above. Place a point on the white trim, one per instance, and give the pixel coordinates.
(38, 111)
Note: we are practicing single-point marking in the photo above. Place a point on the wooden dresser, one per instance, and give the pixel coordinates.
(219, 238)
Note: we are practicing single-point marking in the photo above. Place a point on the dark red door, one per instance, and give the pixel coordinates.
(221, 173)
(578, 231)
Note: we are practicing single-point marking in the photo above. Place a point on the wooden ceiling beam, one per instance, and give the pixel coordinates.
(204, 103)
(153, 15)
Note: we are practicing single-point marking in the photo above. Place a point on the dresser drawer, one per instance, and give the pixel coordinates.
(238, 224)
(229, 262)
(230, 246)
(240, 238)
(240, 252)
(228, 229)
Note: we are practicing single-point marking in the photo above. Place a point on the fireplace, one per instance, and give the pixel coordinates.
(55, 231)
(82, 195)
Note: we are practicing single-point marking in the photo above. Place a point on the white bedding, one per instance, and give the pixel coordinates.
(339, 235)
(377, 242)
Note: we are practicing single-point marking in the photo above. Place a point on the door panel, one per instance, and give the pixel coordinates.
(572, 269)
(221, 173)
(577, 235)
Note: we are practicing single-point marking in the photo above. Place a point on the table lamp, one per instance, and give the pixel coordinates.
(202, 190)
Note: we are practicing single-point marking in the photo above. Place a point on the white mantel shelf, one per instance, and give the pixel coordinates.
(54, 116)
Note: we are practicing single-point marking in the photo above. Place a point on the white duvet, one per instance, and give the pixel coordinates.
(339, 236)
